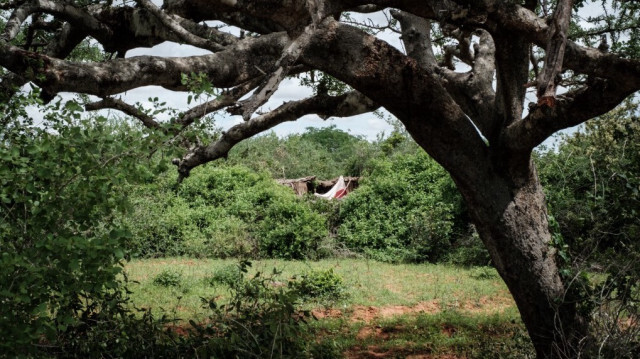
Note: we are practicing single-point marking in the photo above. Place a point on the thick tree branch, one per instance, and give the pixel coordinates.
(227, 98)
(512, 69)
(180, 31)
(473, 90)
(412, 93)
(290, 56)
(60, 47)
(580, 59)
(572, 108)
(76, 16)
(547, 81)
(269, 15)
(416, 36)
(228, 68)
(349, 104)
(269, 87)
(17, 18)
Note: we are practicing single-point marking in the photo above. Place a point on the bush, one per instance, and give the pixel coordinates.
(290, 230)
(62, 183)
(259, 321)
(168, 278)
(229, 275)
(469, 251)
(482, 273)
(223, 211)
(320, 286)
(323, 152)
(401, 212)
(592, 182)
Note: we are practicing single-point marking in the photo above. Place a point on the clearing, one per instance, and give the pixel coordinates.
(390, 311)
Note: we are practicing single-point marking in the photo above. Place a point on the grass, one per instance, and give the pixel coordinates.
(369, 283)
(391, 311)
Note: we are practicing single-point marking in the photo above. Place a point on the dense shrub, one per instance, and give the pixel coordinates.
(229, 276)
(592, 183)
(168, 278)
(468, 250)
(291, 230)
(322, 152)
(223, 211)
(61, 185)
(259, 321)
(320, 285)
(401, 211)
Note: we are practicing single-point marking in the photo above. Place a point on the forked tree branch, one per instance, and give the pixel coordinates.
(227, 98)
(548, 79)
(571, 109)
(177, 28)
(349, 104)
(416, 36)
(289, 57)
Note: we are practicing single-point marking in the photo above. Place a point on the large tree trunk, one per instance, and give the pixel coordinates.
(511, 219)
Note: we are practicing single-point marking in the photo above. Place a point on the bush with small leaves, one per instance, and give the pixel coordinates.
(168, 278)
(63, 182)
(402, 212)
(229, 275)
(259, 321)
(320, 285)
(223, 211)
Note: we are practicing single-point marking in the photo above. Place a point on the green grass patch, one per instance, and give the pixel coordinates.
(384, 310)
(366, 283)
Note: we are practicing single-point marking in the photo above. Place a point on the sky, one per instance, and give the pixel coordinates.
(367, 125)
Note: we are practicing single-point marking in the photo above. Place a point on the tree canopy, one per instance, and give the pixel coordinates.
(459, 87)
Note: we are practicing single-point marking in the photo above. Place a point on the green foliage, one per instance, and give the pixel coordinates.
(320, 285)
(168, 278)
(199, 85)
(62, 184)
(259, 321)
(322, 83)
(593, 184)
(484, 273)
(290, 230)
(618, 23)
(229, 275)
(87, 50)
(325, 153)
(225, 211)
(401, 212)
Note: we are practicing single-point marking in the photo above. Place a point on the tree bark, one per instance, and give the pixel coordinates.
(512, 222)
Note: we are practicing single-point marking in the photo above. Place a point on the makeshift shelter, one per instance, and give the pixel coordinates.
(321, 188)
(338, 190)
(325, 186)
(300, 185)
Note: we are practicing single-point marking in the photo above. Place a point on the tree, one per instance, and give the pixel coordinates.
(502, 42)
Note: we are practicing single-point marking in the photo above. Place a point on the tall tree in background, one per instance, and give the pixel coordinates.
(472, 121)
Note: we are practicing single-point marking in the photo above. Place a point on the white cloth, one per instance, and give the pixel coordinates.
(338, 190)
